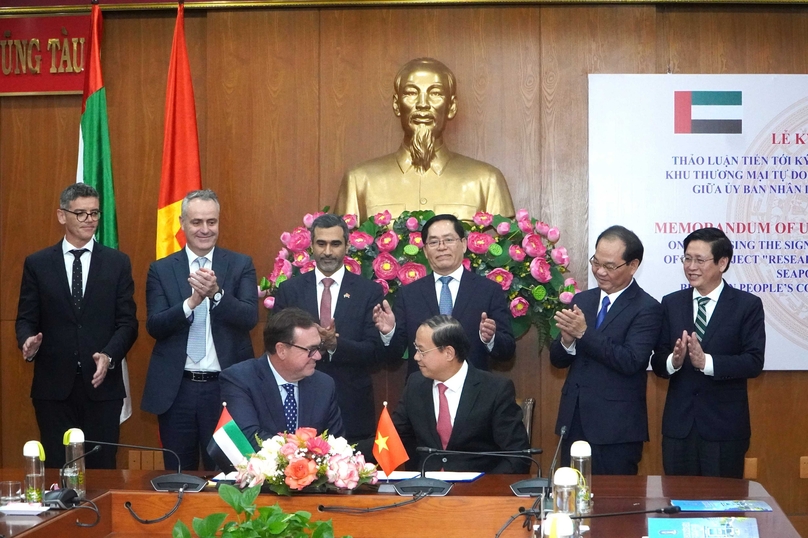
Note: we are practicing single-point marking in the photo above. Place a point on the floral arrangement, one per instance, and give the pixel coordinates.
(293, 461)
(521, 254)
(253, 522)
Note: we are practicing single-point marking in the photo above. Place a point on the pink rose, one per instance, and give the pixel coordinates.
(479, 242)
(300, 258)
(350, 221)
(269, 302)
(525, 225)
(504, 228)
(352, 265)
(299, 239)
(467, 264)
(304, 434)
(289, 448)
(570, 282)
(410, 272)
(343, 473)
(387, 242)
(542, 228)
(565, 297)
(383, 218)
(483, 219)
(553, 234)
(559, 255)
(501, 277)
(308, 266)
(534, 246)
(516, 253)
(385, 286)
(416, 239)
(308, 218)
(385, 266)
(318, 446)
(519, 307)
(540, 270)
(522, 214)
(300, 473)
(360, 240)
(412, 224)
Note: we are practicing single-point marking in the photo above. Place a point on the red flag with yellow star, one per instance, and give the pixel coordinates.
(388, 449)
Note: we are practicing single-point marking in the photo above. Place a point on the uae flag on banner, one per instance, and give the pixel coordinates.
(708, 112)
(229, 445)
(180, 173)
(388, 449)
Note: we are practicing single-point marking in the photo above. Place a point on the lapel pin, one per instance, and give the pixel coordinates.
(347, 295)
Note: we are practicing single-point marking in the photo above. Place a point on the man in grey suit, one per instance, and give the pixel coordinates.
(201, 304)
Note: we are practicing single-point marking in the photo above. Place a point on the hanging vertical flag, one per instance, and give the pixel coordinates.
(228, 446)
(95, 157)
(388, 449)
(181, 172)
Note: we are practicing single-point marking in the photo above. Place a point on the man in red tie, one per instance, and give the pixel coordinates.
(450, 404)
(342, 303)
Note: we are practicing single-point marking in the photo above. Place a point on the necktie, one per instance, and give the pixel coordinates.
(604, 309)
(196, 347)
(77, 281)
(325, 303)
(290, 407)
(444, 419)
(701, 317)
(445, 303)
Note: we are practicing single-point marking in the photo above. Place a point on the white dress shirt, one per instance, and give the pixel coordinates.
(709, 308)
(211, 361)
(454, 388)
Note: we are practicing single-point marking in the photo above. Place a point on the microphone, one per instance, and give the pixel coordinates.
(65, 498)
(533, 487)
(169, 482)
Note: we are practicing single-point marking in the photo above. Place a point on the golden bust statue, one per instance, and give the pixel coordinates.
(423, 173)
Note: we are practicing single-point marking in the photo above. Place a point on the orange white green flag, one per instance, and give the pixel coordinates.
(181, 171)
(388, 449)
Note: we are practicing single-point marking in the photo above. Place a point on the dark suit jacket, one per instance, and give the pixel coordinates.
(254, 401)
(607, 376)
(107, 322)
(488, 419)
(358, 346)
(231, 320)
(736, 339)
(417, 302)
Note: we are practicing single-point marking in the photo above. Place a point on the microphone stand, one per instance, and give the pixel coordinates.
(534, 487)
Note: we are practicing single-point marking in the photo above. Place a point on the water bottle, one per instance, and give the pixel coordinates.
(581, 456)
(565, 488)
(74, 475)
(34, 485)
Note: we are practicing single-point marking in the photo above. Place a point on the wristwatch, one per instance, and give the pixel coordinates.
(218, 295)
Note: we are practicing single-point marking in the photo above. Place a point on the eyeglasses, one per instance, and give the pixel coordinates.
(608, 266)
(82, 215)
(424, 352)
(687, 260)
(449, 243)
(321, 349)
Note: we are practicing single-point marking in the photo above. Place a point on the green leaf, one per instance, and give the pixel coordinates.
(232, 496)
(180, 530)
(520, 325)
(208, 527)
(323, 529)
(249, 495)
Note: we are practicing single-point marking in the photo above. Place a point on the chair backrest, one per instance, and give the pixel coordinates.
(527, 405)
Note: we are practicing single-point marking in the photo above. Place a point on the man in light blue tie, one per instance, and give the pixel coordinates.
(606, 341)
(201, 304)
(477, 303)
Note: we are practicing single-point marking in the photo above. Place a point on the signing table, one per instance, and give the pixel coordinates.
(471, 510)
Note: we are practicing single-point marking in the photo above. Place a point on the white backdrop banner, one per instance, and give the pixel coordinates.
(669, 154)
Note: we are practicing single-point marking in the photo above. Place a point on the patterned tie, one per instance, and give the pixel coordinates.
(77, 282)
(196, 348)
(701, 317)
(445, 303)
(604, 309)
(290, 407)
(325, 303)
(444, 419)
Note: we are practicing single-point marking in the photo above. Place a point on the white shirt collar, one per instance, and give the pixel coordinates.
(338, 275)
(713, 295)
(192, 255)
(456, 382)
(67, 247)
(613, 296)
(278, 377)
(456, 274)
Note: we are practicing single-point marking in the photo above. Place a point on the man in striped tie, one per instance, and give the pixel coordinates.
(606, 340)
(713, 339)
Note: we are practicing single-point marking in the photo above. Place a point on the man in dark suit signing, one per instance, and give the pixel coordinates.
(606, 340)
(477, 303)
(450, 404)
(201, 304)
(713, 339)
(76, 321)
(282, 391)
(342, 303)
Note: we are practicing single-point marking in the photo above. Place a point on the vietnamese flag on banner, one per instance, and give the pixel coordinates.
(388, 449)
(181, 172)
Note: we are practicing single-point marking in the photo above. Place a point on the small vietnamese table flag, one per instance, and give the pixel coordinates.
(388, 449)
(181, 171)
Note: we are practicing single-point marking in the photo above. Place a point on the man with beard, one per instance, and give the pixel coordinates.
(423, 174)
